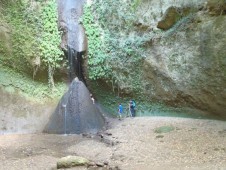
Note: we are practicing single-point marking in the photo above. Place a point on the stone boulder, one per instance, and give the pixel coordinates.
(72, 161)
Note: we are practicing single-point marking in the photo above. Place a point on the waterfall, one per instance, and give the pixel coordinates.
(75, 112)
(75, 37)
(75, 65)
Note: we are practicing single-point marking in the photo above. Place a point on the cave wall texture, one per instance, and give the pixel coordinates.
(188, 68)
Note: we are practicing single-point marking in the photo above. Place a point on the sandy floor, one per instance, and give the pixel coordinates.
(130, 144)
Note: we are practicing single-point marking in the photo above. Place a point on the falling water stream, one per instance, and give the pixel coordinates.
(65, 119)
(71, 17)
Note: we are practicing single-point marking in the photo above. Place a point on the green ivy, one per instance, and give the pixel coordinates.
(50, 39)
(114, 53)
(96, 56)
(19, 83)
(34, 34)
(24, 32)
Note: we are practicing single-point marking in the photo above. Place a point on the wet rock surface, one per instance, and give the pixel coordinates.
(73, 40)
(69, 12)
(75, 113)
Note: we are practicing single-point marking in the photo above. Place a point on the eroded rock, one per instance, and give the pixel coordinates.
(216, 7)
(189, 69)
(171, 16)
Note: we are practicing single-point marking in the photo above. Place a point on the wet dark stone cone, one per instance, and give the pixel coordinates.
(75, 113)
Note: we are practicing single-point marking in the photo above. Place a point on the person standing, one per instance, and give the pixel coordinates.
(120, 110)
(92, 98)
(132, 108)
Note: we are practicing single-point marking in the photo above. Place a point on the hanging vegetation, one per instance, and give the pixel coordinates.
(96, 54)
(113, 44)
(50, 39)
(29, 42)
(34, 37)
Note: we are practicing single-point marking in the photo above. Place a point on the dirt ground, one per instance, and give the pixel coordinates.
(129, 144)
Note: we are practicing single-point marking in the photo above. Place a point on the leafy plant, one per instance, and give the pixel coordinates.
(34, 35)
(25, 86)
(113, 52)
(24, 30)
(96, 56)
(50, 39)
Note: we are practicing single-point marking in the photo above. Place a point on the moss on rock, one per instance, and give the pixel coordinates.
(72, 161)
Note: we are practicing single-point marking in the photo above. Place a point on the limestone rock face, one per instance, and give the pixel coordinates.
(216, 7)
(151, 12)
(190, 68)
(5, 39)
(75, 113)
(184, 65)
(171, 16)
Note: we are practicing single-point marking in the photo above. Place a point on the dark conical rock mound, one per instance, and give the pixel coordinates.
(75, 113)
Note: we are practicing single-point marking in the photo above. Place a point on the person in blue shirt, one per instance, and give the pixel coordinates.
(132, 106)
(120, 110)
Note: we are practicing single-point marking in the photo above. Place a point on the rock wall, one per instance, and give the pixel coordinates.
(75, 113)
(69, 12)
(19, 115)
(183, 61)
(187, 66)
(73, 40)
(150, 12)
(5, 39)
